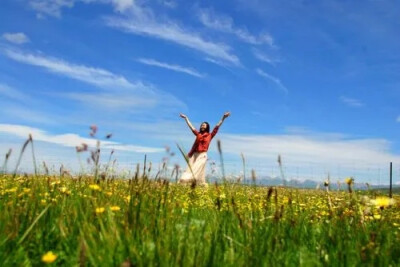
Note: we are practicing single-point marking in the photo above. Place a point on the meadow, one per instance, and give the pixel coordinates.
(59, 220)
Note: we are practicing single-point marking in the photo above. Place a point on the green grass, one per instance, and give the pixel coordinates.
(163, 224)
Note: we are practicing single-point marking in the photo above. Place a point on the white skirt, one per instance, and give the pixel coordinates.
(197, 169)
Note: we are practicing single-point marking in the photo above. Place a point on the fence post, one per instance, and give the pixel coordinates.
(390, 189)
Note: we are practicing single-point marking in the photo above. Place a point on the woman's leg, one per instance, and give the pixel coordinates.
(199, 168)
(187, 175)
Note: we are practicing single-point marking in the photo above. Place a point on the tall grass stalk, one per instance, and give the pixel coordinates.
(20, 156)
(186, 160)
(4, 167)
(281, 170)
(33, 155)
(244, 167)
(221, 160)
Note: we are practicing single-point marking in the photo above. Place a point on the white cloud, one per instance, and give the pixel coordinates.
(352, 102)
(273, 79)
(339, 155)
(51, 7)
(16, 38)
(115, 102)
(173, 67)
(94, 76)
(54, 7)
(168, 3)
(225, 24)
(120, 93)
(122, 5)
(265, 58)
(69, 139)
(12, 93)
(143, 21)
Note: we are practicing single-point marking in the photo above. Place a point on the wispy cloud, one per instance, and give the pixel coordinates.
(12, 93)
(95, 76)
(173, 67)
(224, 23)
(272, 79)
(16, 38)
(54, 7)
(50, 7)
(120, 5)
(116, 102)
(340, 156)
(306, 148)
(70, 139)
(168, 3)
(26, 114)
(119, 94)
(264, 57)
(143, 21)
(352, 102)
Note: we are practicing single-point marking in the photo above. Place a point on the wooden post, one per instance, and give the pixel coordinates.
(390, 189)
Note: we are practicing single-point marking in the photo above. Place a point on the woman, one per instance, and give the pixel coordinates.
(197, 156)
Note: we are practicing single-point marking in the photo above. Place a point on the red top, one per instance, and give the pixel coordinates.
(202, 141)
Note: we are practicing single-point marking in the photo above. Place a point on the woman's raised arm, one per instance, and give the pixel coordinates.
(187, 122)
(226, 115)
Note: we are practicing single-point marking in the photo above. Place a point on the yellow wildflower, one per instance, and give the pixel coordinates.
(383, 202)
(49, 257)
(100, 210)
(115, 208)
(377, 216)
(349, 180)
(63, 189)
(95, 187)
(11, 190)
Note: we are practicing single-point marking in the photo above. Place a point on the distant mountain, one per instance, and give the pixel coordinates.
(277, 181)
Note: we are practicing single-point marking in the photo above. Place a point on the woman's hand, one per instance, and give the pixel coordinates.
(182, 116)
(227, 114)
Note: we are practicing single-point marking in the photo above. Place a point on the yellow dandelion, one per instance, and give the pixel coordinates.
(100, 210)
(115, 208)
(49, 257)
(11, 190)
(349, 180)
(26, 190)
(377, 216)
(63, 189)
(95, 187)
(383, 202)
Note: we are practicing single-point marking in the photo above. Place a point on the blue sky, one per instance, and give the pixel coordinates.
(315, 81)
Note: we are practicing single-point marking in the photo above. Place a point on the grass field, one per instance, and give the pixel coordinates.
(141, 222)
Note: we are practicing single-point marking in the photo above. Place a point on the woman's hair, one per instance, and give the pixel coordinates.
(207, 130)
